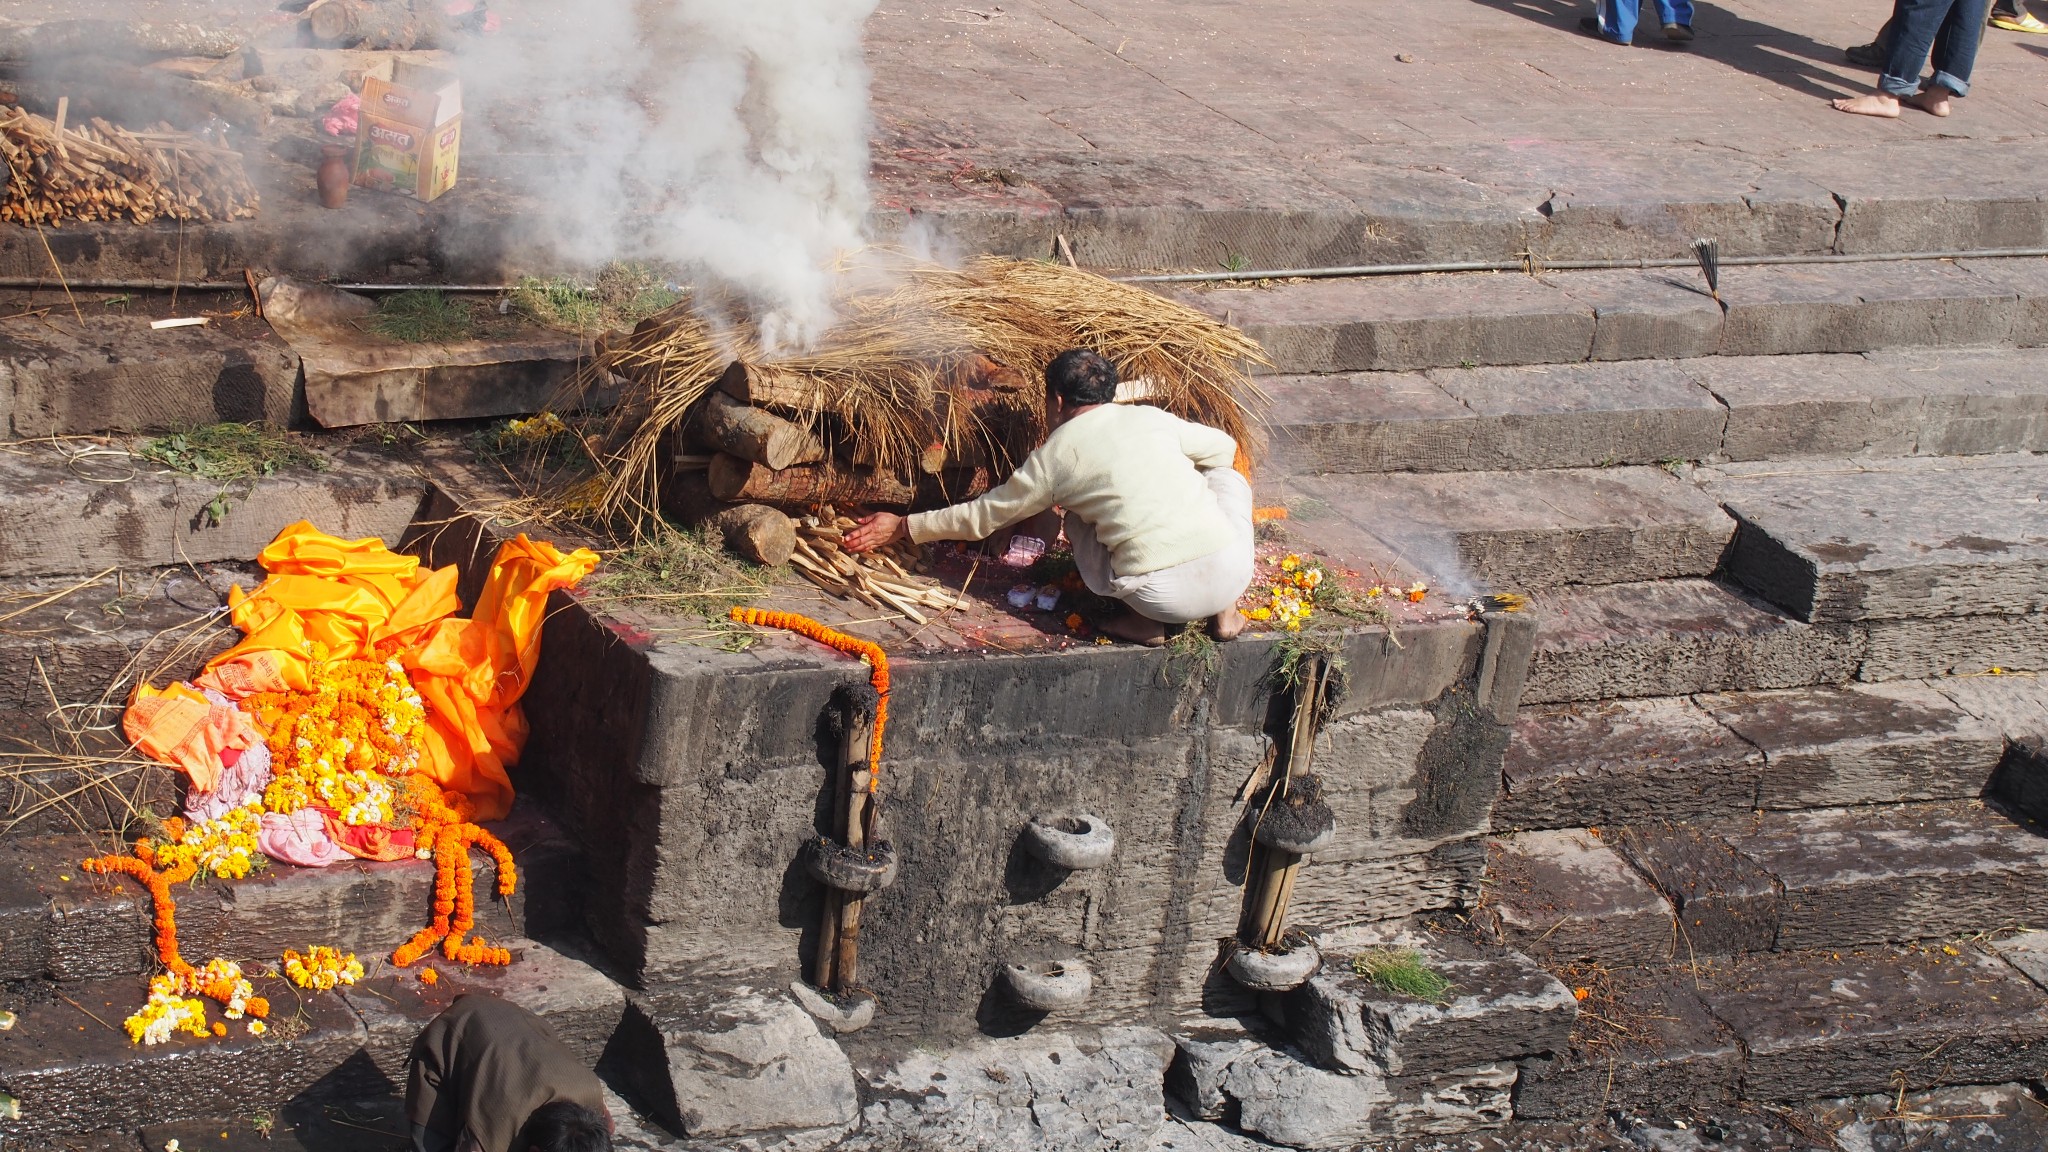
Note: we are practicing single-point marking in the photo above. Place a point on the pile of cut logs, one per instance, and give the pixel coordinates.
(764, 457)
(103, 172)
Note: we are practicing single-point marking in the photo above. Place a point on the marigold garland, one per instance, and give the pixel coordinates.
(868, 650)
(163, 908)
(455, 882)
(322, 968)
(341, 744)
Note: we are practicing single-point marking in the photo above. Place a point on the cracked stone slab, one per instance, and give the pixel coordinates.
(116, 374)
(1866, 744)
(1849, 540)
(1674, 638)
(1371, 422)
(1646, 314)
(1722, 902)
(2015, 705)
(1895, 873)
(1499, 1008)
(1528, 531)
(1566, 896)
(1080, 1088)
(1623, 761)
(1825, 1024)
(1399, 324)
(740, 1062)
(1977, 401)
(1654, 1046)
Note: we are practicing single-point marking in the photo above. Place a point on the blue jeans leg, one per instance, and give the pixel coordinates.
(1955, 46)
(1618, 19)
(1919, 27)
(1675, 12)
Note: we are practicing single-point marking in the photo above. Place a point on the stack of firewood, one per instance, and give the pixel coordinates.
(758, 425)
(101, 172)
(885, 578)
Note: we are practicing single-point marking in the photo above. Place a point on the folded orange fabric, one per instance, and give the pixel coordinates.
(334, 599)
(179, 726)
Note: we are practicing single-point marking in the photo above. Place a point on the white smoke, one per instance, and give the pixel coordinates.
(728, 137)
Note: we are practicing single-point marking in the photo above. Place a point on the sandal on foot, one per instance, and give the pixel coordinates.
(2024, 22)
(1678, 33)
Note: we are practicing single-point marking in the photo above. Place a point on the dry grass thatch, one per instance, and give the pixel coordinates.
(906, 328)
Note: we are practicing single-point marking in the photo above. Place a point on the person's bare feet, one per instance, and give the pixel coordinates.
(1128, 625)
(1225, 625)
(1875, 104)
(1933, 100)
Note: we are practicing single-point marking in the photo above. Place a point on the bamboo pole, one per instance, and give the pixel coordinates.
(859, 816)
(1266, 916)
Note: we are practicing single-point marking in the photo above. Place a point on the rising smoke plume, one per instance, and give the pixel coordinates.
(729, 137)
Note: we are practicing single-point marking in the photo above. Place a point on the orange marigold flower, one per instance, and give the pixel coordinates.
(429, 977)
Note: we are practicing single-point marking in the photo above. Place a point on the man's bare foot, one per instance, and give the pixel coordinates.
(1875, 104)
(1137, 629)
(1932, 100)
(1225, 625)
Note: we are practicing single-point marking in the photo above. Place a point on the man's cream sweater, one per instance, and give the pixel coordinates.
(1132, 471)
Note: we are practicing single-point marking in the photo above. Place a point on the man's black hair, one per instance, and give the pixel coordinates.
(565, 1126)
(1081, 376)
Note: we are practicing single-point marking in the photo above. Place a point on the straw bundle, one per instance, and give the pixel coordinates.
(902, 373)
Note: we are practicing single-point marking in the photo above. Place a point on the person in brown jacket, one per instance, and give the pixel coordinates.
(489, 1076)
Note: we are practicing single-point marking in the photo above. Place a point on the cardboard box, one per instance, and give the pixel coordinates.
(409, 131)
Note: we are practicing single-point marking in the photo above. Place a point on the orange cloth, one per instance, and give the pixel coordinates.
(334, 599)
(180, 727)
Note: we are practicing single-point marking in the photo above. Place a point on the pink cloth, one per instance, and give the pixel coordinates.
(244, 772)
(341, 119)
(299, 838)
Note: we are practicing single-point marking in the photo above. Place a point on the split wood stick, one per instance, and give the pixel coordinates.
(853, 750)
(766, 387)
(1266, 915)
(899, 601)
(753, 434)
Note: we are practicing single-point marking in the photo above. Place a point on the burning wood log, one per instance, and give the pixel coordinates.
(747, 432)
(100, 172)
(758, 532)
(377, 25)
(766, 387)
(733, 478)
(114, 39)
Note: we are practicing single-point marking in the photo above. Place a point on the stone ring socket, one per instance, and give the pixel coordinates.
(1303, 829)
(1050, 985)
(850, 869)
(1274, 971)
(1076, 843)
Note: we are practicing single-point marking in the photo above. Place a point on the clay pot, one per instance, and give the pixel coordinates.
(334, 175)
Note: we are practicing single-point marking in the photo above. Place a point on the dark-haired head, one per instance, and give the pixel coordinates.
(562, 1126)
(1080, 376)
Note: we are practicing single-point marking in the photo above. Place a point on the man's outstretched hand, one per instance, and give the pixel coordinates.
(877, 531)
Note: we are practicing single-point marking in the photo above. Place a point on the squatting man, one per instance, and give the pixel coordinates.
(1156, 516)
(489, 1076)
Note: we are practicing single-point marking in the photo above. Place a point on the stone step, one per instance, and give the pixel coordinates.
(64, 924)
(1527, 531)
(1946, 402)
(1889, 540)
(1840, 878)
(1679, 637)
(79, 507)
(1785, 881)
(75, 1073)
(1788, 1027)
(63, 376)
(1401, 324)
(86, 644)
(1687, 758)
